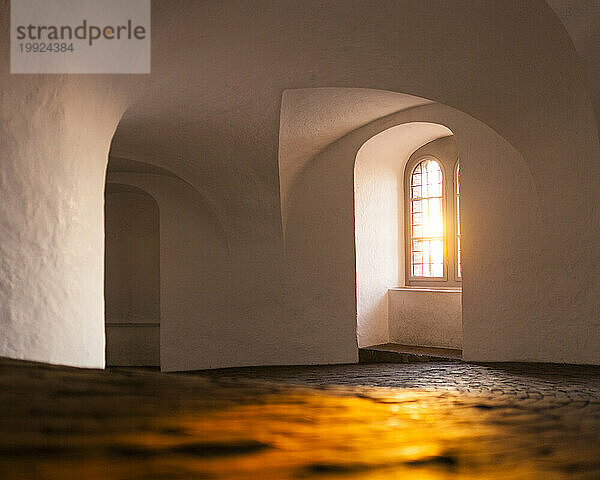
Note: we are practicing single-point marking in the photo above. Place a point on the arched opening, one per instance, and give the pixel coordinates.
(132, 277)
(321, 207)
(407, 290)
(191, 274)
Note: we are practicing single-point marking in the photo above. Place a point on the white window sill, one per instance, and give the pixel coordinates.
(427, 289)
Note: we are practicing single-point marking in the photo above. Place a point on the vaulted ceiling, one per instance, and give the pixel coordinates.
(210, 110)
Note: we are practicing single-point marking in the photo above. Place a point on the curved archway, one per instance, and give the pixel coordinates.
(195, 267)
(379, 221)
(320, 211)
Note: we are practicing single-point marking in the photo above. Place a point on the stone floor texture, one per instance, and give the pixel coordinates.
(442, 420)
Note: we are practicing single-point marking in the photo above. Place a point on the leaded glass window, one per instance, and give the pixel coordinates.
(427, 220)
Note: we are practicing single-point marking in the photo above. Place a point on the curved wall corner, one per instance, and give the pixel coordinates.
(54, 154)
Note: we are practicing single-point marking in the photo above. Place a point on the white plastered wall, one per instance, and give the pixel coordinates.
(509, 64)
(425, 317)
(55, 136)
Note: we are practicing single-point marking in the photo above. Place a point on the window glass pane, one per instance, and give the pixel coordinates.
(426, 270)
(436, 249)
(458, 215)
(458, 246)
(417, 257)
(426, 220)
(459, 255)
(435, 190)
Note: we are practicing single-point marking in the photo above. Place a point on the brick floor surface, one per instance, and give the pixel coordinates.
(441, 420)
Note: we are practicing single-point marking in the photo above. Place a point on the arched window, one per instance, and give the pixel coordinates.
(426, 220)
(433, 222)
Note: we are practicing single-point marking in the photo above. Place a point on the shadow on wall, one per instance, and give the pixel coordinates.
(195, 271)
(132, 277)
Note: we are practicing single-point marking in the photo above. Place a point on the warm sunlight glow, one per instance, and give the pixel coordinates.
(426, 220)
(458, 245)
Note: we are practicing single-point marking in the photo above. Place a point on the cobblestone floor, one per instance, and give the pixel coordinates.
(442, 420)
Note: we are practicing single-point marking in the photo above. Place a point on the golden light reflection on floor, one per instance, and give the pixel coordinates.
(410, 435)
(182, 428)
